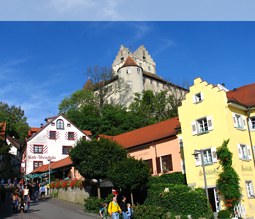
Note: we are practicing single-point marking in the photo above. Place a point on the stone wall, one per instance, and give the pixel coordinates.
(75, 195)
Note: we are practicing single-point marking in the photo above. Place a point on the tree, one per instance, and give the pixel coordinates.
(94, 158)
(155, 107)
(129, 174)
(104, 83)
(82, 110)
(16, 122)
(228, 182)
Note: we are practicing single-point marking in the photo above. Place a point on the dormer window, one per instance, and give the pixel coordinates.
(60, 124)
(197, 98)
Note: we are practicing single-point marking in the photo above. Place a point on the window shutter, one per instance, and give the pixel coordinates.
(249, 152)
(214, 155)
(234, 119)
(194, 128)
(158, 165)
(202, 96)
(252, 189)
(249, 124)
(240, 154)
(198, 160)
(194, 99)
(209, 122)
(244, 122)
(169, 162)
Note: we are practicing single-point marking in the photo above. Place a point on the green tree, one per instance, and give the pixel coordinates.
(228, 182)
(155, 107)
(93, 158)
(129, 174)
(16, 122)
(81, 108)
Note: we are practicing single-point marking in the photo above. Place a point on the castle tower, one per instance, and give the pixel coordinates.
(132, 75)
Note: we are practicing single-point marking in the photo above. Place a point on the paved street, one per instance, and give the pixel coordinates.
(48, 209)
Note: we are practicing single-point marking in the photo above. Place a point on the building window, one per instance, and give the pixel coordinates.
(53, 124)
(52, 134)
(252, 123)
(129, 83)
(149, 68)
(140, 64)
(239, 121)
(164, 164)
(149, 163)
(209, 155)
(66, 149)
(38, 149)
(138, 70)
(37, 164)
(70, 136)
(249, 188)
(68, 125)
(201, 126)
(197, 98)
(151, 81)
(60, 124)
(244, 152)
(128, 71)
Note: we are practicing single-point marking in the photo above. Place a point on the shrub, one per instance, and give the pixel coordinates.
(173, 178)
(92, 204)
(148, 212)
(224, 214)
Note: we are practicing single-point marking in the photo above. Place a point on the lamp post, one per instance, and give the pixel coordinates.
(203, 166)
(49, 159)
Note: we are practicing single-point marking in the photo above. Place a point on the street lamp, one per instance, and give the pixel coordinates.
(203, 166)
(49, 159)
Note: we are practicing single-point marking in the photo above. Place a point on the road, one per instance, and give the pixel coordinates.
(50, 208)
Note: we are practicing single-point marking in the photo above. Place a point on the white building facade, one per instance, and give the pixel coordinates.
(51, 143)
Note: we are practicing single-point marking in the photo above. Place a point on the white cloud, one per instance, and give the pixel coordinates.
(163, 45)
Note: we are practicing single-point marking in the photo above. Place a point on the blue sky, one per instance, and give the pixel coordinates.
(43, 62)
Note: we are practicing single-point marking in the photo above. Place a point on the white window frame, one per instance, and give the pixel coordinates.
(244, 152)
(198, 97)
(239, 121)
(202, 125)
(252, 123)
(210, 157)
(129, 83)
(249, 189)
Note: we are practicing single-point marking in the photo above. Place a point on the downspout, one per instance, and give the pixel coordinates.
(249, 131)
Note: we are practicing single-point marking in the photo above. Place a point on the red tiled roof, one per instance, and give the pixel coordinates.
(87, 132)
(14, 142)
(33, 130)
(2, 130)
(244, 95)
(129, 62)
(54, 165)
(62, 163)
(147, 134)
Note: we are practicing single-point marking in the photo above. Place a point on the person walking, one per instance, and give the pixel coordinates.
(114, 208)
(123, 207)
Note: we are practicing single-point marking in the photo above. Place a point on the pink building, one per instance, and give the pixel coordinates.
(156, 144)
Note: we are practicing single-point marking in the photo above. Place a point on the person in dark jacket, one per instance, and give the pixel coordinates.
(123, 206)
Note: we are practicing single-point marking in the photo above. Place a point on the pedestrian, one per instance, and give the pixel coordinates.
(42, 191)
(27, 204)
(36, 191)
(130, 211)
(25, 193)
(103, 211)
(123, 207)
(114, 208)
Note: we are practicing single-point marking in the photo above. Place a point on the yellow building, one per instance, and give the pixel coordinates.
(209, 115)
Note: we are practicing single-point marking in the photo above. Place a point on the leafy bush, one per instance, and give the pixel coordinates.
(224, 214)
(179, 200)
(92, 204)
(173, 178)
(148, 212)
